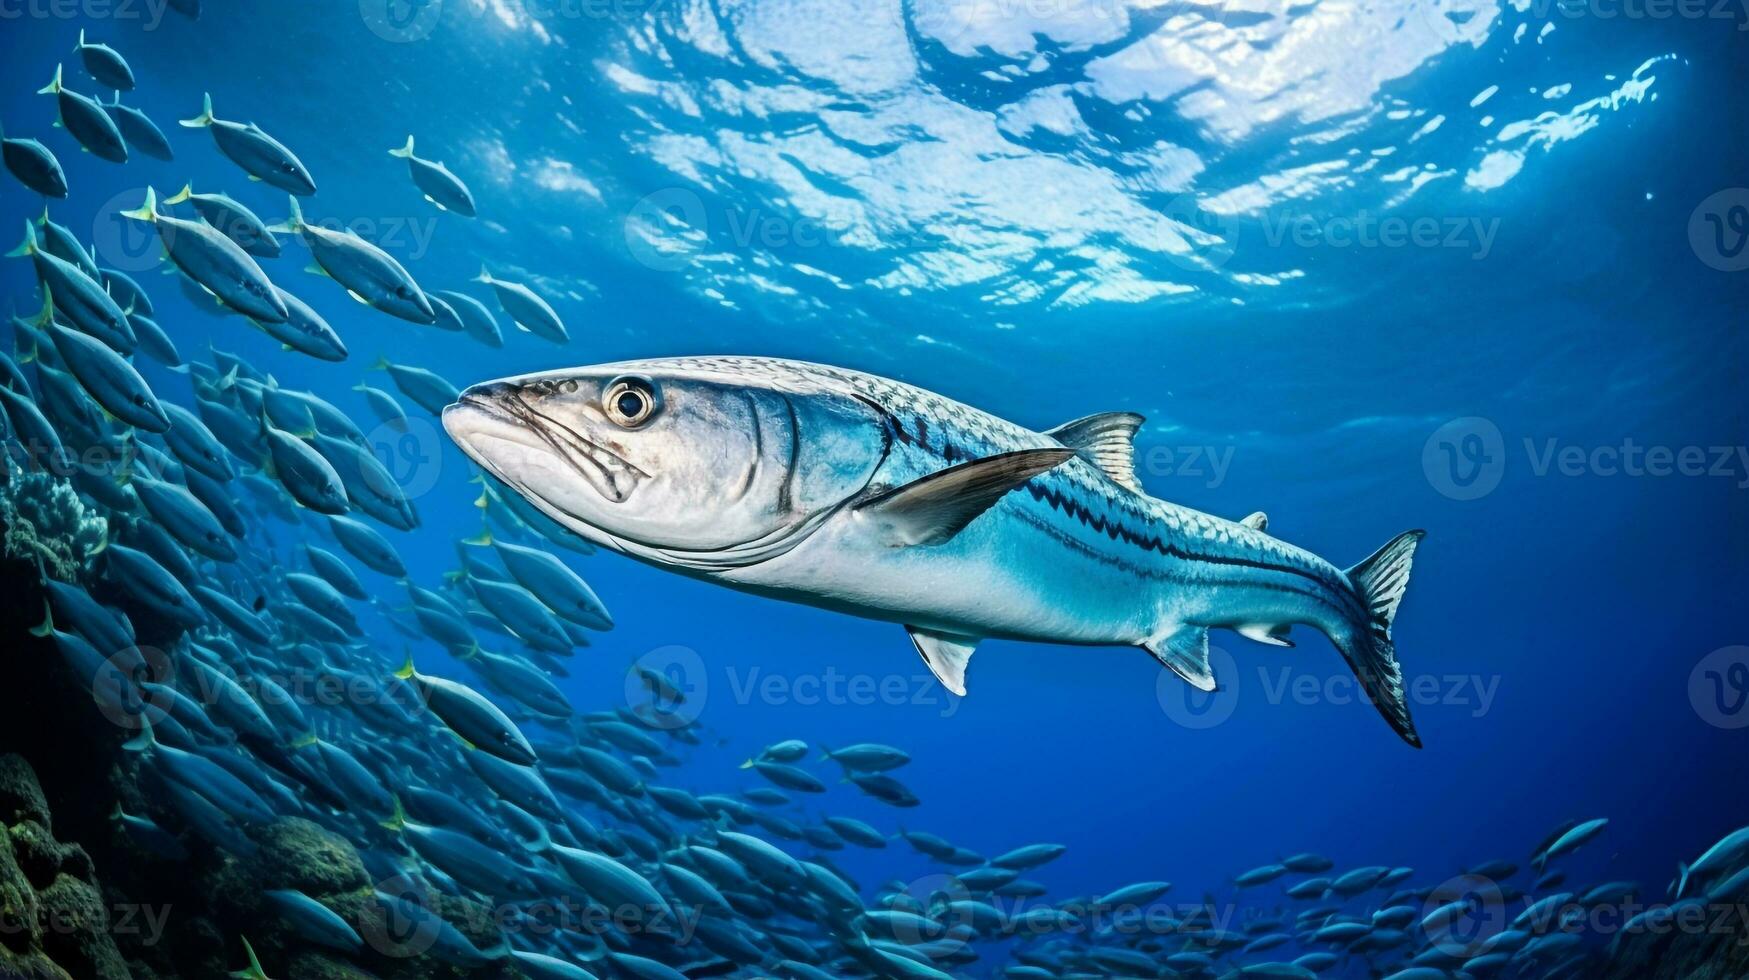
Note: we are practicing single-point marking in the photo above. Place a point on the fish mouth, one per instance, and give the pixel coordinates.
(496, 412)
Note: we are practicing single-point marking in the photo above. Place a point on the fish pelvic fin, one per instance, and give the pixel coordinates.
(206, 113)
(1379, 583)
(405, 152)
(147, 211)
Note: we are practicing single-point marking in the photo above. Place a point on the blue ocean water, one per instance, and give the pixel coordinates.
(1466, 266)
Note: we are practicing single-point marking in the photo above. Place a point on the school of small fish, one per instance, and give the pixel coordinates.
(513, 796)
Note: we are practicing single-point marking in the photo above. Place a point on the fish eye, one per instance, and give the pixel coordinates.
(630, 402)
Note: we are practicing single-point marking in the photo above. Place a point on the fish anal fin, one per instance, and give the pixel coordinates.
(946, 654)
(1108, 441)
(1186, 651)
(936, 507)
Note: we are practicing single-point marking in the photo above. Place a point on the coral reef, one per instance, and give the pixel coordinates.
(44, 518)
(1712, 946)
(56, 922)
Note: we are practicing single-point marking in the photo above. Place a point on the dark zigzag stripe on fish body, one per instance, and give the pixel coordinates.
(1116, 530)
(1154, 543)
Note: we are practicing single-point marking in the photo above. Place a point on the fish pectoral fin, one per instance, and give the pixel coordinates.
(1256, 521)
(934, 508)
(946, 654)
(1108, 441)
(1186, 651)
(1275, 636)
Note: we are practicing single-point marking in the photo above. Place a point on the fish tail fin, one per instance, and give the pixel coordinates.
(482, 539)
(28, 246)
(206, 113)
(397, 818)
(484, 276)
(1681, 878)
(184, 194)
(144, 740)
(54, 86)
(405, 152)
(406, 670)
(253, 971)
(46, 315)
(304, 741)
(47, 626)
(81, 43)
(382, 364)
(293, 223)
(1379, 583)
(747, 765)
(147, 211)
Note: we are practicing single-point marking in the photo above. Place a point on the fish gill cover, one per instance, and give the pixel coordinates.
(1315, 431)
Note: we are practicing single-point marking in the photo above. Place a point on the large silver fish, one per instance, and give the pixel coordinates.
(852, 492)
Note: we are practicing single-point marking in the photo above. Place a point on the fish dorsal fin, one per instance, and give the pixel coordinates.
(1186, 651)
(934, 508)
(1108, 441)
(946, 654)
(1258, 521)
